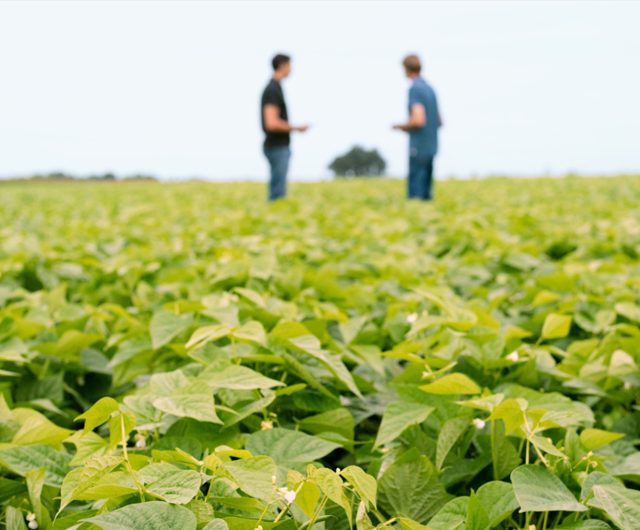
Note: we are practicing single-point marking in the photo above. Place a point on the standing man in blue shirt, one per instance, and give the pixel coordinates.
(424, 122)
(276, 127)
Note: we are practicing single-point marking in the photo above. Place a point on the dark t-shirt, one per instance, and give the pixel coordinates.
(273, 95)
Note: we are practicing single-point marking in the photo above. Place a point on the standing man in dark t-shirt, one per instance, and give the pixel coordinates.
(424, 122)
(275, 124)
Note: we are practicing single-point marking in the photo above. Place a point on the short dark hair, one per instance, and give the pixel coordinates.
(279, 60)
(412, 63)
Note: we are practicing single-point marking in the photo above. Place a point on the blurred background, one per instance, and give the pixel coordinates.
(172, 89)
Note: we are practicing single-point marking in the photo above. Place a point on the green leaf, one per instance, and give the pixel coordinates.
(451, 516)
(35, 483)
(252, 331)
(537, 490)
(593, 439)
(154, 515)
(410, 487)
(338, 421)
(216, 524)
(22, 459)
(449, 434)
(99, 413)
(499, 501)
(587, 524)
(477, 516)
(177, 486)
(286, 446)
(208, 334)
(363, 483)
(398, 415)
(253, 476)
(628, 310)
(456, 383)
(556, 326)
(14, 519)
(237, 377)
(164, 326)
(622, 505)
(193, 401)
(331, 485)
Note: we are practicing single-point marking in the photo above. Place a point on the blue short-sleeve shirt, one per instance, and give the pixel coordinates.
(424, 141)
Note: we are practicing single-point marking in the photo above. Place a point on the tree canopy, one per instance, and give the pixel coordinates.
(359, 162)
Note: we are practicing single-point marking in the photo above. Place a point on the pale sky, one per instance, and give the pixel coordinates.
(172, 88)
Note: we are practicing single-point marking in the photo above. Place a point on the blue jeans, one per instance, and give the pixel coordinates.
(420, 179)
(278, 158)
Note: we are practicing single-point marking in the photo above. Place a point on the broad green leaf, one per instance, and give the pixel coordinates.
(455, 383)
(284, 445)
(556, 326)
(35, 483)
(99, 413)
(363, 483)
(307, 497)
(587, 524)
(331, 485)
(252, 331)
(153, 515)
(628, 310)
(622, 505)
(193, 401)
(537, 490)
(398, 415)
(253, 476)
(596, 438)
(14, 519)
(208, 334)
(165, 325)
(451, 516)
(176, 487)
(35, 428)
(22, 459)
(339, 421)
(499, 501)
(410, 487)
(237, 377)
(449, 434)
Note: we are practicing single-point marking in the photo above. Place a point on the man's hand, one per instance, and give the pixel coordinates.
(300, 128)
(400, 127)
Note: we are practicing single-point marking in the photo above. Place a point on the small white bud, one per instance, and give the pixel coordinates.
(411, 318)
(273, 480)
(513, 356)
(266, 424)
(626, 385)
(32, 525)
(30, 517)
(478, 423)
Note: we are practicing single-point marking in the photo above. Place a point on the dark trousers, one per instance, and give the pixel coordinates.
(420, 181)
(278, 158)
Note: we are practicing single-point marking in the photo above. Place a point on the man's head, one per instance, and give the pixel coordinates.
(281, 66)
(412, 66)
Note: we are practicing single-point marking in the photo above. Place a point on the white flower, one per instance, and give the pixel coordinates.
(141, 443)
(412, 318)
(33, 524)
(513, 356)
(626, 385)
(31, 517)
(478, 423)
(273, 480)
(266, 424)
(289, 495)
(259, 527)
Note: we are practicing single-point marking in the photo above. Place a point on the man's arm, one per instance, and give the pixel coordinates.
(417, 119)
(274, 123)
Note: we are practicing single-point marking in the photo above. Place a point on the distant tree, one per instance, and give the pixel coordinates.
(358, 162)
(106, 176)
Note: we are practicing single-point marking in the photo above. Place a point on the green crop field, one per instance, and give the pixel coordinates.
(186, 356)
